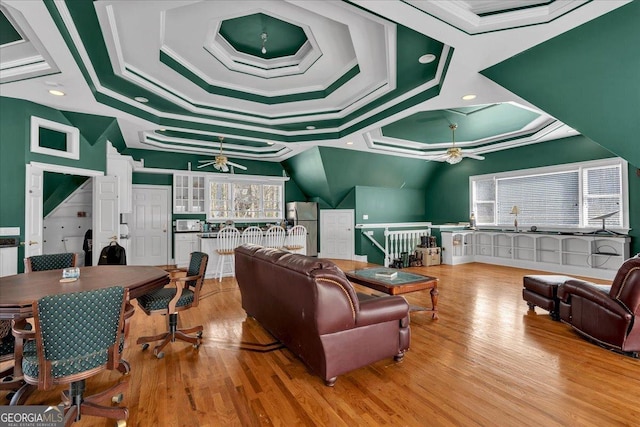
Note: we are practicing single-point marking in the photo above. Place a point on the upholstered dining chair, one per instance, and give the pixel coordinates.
(296, 239)
(252, 235)
(274, 237)
(171, 300)
(77, 336)
(7, 346)
(227, 241)
(50, 262)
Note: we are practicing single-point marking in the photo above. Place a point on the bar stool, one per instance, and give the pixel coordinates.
(252, 235)
(296, 239)
(274, 237)
(227, 242)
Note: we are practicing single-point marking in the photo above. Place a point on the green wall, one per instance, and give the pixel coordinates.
(384, 205)
(587, 78)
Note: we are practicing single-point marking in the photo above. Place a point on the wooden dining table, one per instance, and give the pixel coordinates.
(19, 291)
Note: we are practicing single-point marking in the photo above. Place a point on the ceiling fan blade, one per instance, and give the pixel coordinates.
(205, 163)
(244, 168)
(473, 156)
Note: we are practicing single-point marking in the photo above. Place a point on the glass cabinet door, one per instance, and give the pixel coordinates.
(197, 194)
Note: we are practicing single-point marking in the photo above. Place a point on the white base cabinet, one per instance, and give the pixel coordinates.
(8, 261)
(598, 256)
(184, 244)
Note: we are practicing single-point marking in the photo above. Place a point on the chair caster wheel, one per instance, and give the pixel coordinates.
(121, 423)
(199, 334)
(196, 346)
(145, 346)
(160, 355)
(117, 398)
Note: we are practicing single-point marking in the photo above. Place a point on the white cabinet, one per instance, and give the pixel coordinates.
(188, 193)
(597, 256)
(457, 247)
(8, 261)
(184, 244)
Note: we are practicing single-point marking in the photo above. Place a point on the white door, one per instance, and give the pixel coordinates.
(149, 225)
(33, 231)
(106, 224)
(336, 233)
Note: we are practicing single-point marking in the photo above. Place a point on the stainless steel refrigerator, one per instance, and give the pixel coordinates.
(305, 213)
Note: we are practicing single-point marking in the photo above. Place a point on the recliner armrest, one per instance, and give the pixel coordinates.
(598, 294)
(382, 309)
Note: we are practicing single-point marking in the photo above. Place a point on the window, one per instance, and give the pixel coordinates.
(564, 196)
(248, 200)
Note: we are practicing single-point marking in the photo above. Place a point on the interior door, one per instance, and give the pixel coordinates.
(33, 230)
(336, 233)
(105, 213)
(148, 226)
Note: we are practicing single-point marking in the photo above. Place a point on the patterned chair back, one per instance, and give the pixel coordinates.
(252, 235)
(197, 266)
(77, 329)
(50, 262)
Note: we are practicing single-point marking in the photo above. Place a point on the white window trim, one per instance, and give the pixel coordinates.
(246, 179)
(73, 138)
(614, 161)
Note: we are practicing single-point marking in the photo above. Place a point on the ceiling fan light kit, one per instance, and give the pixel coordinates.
(221, 162)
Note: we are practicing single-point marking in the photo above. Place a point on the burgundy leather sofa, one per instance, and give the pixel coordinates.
(606, 314)
(310, 306)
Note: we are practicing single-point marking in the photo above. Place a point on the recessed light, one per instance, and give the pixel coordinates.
(349, 142)
(469, 97)
(311, 127)
(427, 58)
(162, 129)
(56, 92)
(141, 99)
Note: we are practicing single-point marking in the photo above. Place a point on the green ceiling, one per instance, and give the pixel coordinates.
(588, 77)
(474, 123)
(244, 34)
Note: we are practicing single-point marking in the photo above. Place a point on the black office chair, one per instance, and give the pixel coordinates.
(170, 300)
(77, 336)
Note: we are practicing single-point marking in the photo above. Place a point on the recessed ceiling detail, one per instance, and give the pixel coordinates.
(480, 129)
(356, 72)
(482, 16)
(22, 55)
(346, 87)
(245, 35)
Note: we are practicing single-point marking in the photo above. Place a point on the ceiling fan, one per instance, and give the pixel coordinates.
(221, 162)
(455, 154)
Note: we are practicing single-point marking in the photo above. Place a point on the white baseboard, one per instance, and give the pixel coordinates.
(360, 258)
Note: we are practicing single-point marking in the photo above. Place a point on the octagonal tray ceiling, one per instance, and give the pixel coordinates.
(178, 74)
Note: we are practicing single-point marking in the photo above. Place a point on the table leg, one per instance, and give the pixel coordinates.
(434, 302)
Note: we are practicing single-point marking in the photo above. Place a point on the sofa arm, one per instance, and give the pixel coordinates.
(598, 294)
(382, 309)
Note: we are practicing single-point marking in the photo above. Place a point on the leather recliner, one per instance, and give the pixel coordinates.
(606, 314)
(312, 308)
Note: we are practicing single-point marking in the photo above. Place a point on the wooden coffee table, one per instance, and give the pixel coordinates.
(404, 283)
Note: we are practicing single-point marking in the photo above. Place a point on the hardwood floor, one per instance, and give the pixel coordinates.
(487, 361)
